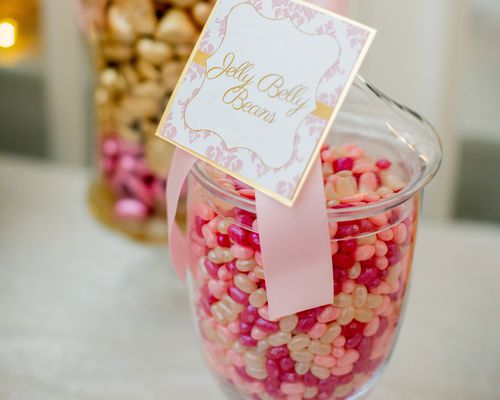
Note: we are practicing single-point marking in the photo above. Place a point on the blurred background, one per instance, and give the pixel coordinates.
(440, 58)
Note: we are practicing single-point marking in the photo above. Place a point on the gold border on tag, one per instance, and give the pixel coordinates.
(200, 57)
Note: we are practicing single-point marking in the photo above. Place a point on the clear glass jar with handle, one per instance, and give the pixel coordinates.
(378, 158)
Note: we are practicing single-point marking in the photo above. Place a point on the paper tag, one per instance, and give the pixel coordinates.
(262, 88)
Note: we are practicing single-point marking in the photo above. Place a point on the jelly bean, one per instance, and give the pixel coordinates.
(288, 323)
(319, 348)
(331, 333)
(301, 368)
(258, 298)
(238, 295)
(279, 338)
(292, 388)
(344, 261)
(317, 330)
(276, 353)
(131, 209)
(328, 314)
(243, 283)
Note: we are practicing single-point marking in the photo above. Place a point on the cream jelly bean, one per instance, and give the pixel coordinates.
(329, 352)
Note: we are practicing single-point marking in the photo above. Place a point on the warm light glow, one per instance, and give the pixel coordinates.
(8, 33)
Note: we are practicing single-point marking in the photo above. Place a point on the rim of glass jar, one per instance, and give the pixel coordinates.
(350, 213)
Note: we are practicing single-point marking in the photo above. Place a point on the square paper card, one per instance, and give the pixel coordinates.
(262, 88)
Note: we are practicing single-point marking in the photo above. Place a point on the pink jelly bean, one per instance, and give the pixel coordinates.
(317, 330)
(350, 357)
(339, 371)
(381, 263)
(380, 248)
(272, 369)
(339, 341)
(205, 211)
(329, 314)
(131, 209)
(371, 327)
(368, 181)
(234, 327)
(363, 253)
(325, 361)
(110, 146)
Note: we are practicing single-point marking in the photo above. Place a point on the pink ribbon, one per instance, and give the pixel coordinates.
(294, 240)
(182, 163)
(296, 249)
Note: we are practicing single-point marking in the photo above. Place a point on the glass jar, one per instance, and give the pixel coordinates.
(378, 159)
(140, 48)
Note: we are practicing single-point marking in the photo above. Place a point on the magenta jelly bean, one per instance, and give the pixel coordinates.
(310, 380)
(344, 261)
(353, 341)
(211, 268)
(290, 377)
(383, 164)
(286, 364)
(249, 314)
(272, 369)
(266, 325)
(305, 324)
(347, 246)
(371, 257)
(254, 241)
(367, 275)
(248, 341)
(223, 240)
(237, 234)
(343, 164)
(276, 353)
(231, 267)
(245, 327)
(238, 295)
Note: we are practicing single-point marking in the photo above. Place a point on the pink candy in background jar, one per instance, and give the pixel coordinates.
(378, 158)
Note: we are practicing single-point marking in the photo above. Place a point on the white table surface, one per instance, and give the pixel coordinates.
(86, 314)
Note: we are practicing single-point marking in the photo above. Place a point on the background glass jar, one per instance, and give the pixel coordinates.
(140, 49)
(379, 158)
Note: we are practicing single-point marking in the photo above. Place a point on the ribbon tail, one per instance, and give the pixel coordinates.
(296, 249)
(178, 172)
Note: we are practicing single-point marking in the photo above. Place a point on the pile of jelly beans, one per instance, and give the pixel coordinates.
(139, 192)
(329, 352)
